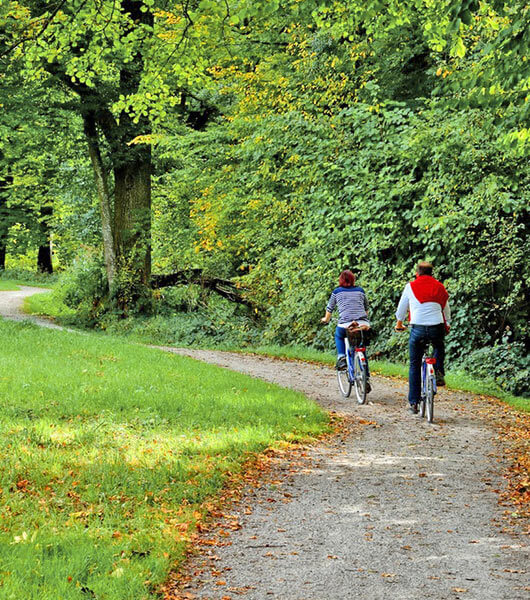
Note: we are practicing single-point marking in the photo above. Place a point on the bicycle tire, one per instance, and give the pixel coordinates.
(429, 398)
(360, 379)
(421, 407)
(421, 404)
(344, 383)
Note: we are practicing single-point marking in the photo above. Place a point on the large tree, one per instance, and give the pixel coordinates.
(123, 67)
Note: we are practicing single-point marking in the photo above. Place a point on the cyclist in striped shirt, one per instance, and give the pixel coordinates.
(350, 299)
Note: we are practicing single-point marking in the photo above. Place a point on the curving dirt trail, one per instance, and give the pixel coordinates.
(11, 304)
(400, 510)
(397, 510)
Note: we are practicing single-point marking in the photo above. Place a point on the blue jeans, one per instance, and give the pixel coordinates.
(340, 335)
(420, 336)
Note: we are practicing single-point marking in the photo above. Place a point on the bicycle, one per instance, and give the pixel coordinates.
(428, 383)
(355, 374)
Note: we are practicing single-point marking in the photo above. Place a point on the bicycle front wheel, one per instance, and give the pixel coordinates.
(360, 379)
(344, 383)
(429, 398)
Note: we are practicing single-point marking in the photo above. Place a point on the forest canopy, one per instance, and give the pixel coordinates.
(256, 148)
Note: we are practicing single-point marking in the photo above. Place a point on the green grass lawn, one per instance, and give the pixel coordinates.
(7, 285)
(109, 449)
(47, 305)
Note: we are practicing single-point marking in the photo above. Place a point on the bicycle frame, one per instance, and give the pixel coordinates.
(427, 370)
(351, 351)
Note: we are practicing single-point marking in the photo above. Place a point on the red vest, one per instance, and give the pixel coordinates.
(428, 289)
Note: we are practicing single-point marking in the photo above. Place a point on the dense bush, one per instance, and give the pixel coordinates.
(83, 288)
(508, 364)
(375, 191)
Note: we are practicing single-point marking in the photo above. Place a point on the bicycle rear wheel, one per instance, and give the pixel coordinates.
(360, 379)
(429, 398)
(344, 382)
(421, 407)
(421, 404)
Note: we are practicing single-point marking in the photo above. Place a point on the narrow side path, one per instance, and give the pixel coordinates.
(11, 304)
(402, 510)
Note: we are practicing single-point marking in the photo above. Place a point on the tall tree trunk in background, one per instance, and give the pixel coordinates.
(105, 202)
(44, 259)
(5, 181)
(132, 170)
(132, 212)
(44, 256)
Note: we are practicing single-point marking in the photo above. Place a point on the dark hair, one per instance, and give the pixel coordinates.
(424, 268)
(346, 278)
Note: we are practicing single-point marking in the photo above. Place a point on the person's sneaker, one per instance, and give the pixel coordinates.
(440, 379)
(368, 386)
(413, 408)
(341, 363)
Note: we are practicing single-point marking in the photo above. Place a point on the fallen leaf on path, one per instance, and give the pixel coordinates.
(460, 590)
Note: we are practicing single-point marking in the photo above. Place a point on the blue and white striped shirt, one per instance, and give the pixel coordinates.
(351, 302)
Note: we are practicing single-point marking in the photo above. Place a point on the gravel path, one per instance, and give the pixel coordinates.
(11, 304)
(401, 510)
(398, 510)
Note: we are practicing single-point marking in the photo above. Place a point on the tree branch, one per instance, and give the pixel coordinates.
(224, 287)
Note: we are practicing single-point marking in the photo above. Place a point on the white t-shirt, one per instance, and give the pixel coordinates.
(426, 313)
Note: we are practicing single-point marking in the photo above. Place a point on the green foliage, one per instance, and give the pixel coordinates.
(109, 450)
(508, 364)
(28, 277)
(301, 199)
(83, 288)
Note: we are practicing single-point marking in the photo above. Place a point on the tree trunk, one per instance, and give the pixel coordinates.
(104, 197)
(132, 214)
(44, 257)
(5, 182)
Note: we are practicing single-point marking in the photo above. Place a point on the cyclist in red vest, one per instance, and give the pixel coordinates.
(427, 302)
